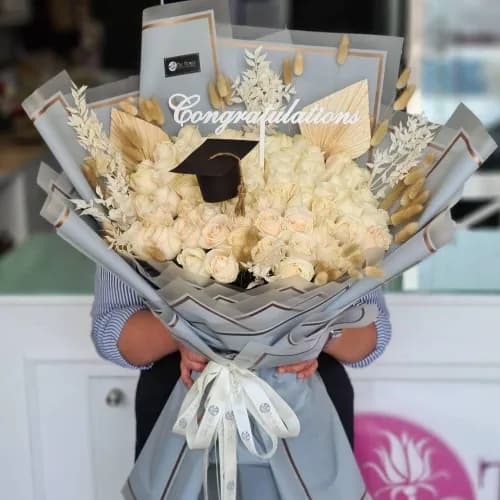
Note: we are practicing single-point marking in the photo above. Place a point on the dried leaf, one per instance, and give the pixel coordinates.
(336, 138)
(287, 71)
(298, 64)
(135, 138)
(380, 133)
(406, 214)
(214, 96)
(406, 233)
(403, 78)
(343, 50)
(403, 100)
(374, 272)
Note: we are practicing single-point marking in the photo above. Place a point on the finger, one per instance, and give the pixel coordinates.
(294, 367)
(310, 371)
(186, 376)
(195, 367)
(195, 357)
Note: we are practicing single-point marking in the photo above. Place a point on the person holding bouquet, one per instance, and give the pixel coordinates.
(125, 332)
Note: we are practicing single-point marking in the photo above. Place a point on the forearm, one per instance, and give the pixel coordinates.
(353, 345)
(144, 339)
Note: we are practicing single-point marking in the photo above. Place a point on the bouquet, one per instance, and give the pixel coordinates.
(252, 186)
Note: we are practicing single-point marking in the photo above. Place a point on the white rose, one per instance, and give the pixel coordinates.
(221, 265)
(292, 266)
(164, 243)
(299, 220)
(188, 232)
(346, 205)
(269, 222)
(215, 232)
(160, 217)
(165, 154)
(186, 187)
(336, 163)
(187, 141)
(268, 251)
(143, 180)
(323, 208)
(193, 261)
(143, 205)
(135, 237)
(301, 245)
(376, 237)
(167, 198)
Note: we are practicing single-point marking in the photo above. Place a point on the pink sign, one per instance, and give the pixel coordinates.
(401, 460)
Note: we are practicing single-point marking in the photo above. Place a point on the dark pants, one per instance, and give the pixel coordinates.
(156, 384)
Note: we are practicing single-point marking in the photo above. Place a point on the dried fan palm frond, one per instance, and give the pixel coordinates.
(136, 139)
(89, 171)
(337, 137)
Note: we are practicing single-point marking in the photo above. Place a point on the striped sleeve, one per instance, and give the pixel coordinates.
(114, 303)
(383, 325)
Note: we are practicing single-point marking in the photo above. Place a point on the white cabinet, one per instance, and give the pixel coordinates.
(59, 438)
(67, 424)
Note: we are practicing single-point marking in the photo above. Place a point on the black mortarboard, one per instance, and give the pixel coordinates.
(216, 164)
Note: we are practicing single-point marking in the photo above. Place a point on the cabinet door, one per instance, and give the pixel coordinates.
(112, 429)
(82, 429)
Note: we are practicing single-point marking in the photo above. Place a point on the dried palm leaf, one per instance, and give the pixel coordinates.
(135, 138)
(128, 107)
(337, 137)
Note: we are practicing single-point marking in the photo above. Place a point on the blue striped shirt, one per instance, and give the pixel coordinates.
(115, 302)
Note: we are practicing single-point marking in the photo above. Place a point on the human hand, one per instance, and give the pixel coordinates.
(303, 369)
(190, 362)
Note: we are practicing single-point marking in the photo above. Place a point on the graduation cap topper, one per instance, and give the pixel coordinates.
(216, 164)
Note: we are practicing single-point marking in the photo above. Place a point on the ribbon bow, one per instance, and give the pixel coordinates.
(230, 395)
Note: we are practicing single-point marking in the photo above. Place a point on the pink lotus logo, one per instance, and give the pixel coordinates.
(402, 461)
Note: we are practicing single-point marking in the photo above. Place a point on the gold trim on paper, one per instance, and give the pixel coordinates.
(48, 104)
(317, 50)
(472, 152)
(211, 27)
(427, 240)
(63, 218)
(59, 98)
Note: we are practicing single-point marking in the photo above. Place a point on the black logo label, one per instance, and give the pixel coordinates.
(182, 65)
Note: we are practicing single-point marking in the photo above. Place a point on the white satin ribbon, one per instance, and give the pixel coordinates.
(230, 395)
